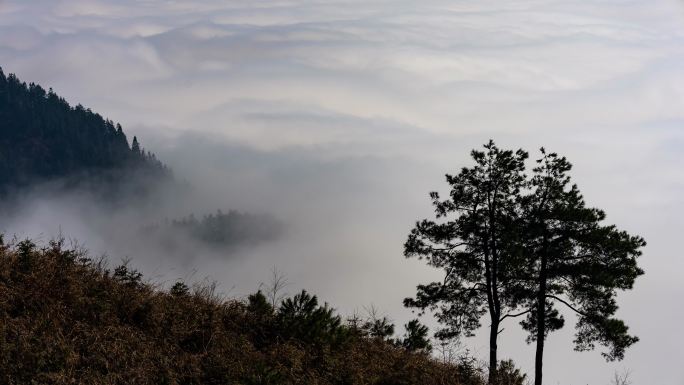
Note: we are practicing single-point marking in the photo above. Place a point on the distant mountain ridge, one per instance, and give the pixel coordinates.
(43, 138)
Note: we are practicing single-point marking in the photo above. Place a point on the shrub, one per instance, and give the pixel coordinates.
(508, 374)
(380, 328)
(300, 317)
(416, 337)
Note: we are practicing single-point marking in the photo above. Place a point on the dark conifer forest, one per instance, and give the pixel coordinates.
(44, 139)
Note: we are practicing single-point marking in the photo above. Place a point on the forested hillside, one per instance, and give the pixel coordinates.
(43, 138)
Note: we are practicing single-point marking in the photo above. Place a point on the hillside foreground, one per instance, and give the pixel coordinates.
(67, 319)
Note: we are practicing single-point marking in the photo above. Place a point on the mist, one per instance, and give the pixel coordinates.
(301, 208)
(336, 120)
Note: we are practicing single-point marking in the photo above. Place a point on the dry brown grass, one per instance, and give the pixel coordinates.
(66, 319)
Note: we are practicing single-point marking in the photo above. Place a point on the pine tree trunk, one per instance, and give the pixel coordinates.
(541, 323)
(493, 335)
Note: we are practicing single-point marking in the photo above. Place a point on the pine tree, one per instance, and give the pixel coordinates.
(301, 317)
(380, 328)
(473, 243)
(135, 146)
(416, 337)
(575, 261)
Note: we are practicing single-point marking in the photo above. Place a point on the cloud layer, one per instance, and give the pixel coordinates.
(340, 116)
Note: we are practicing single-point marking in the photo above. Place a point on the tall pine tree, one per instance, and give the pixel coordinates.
(472, 241)
(573, 260)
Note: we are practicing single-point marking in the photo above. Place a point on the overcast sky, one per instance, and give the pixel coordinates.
(339, 118)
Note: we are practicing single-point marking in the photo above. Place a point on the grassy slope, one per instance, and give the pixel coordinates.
(66, 319)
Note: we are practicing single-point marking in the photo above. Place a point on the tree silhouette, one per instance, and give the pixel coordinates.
(519, 246)
(508, 374)
(380, 328)
(473, 243)
(416, 337)
(303, 318)
(573, 260)
(135, 146)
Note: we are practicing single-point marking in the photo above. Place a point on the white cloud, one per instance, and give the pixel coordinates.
(314, 90)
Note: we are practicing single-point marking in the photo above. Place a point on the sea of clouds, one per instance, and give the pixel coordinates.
(338, 117)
